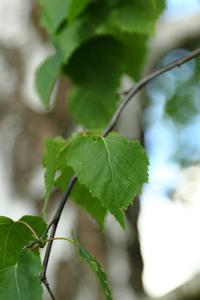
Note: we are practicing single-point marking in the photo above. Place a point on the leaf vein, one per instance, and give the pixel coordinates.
(110, 163)
(17, 285)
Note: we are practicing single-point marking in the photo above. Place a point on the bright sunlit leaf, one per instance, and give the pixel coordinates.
(112, 168)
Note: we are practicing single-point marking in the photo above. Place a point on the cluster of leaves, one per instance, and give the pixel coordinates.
(110, 171)
(19, 268)
(96, 42)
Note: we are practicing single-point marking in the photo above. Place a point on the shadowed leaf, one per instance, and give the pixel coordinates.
(21, 281)
(14, 235)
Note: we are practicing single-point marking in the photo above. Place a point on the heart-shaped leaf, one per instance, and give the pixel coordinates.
(15, 235)
(112, 168)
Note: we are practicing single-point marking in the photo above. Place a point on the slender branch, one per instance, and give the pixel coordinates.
(49, 289)
(48, 227)
(54, 224)
(142, 83)
(109, 128)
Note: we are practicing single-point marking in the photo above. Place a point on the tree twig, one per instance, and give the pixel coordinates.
(142, 83)
(54, 224)
(109, 128)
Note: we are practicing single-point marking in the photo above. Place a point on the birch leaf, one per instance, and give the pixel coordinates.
(51, 158)
(112, 168)
(21, 281)
(15, 235)
(96, 268)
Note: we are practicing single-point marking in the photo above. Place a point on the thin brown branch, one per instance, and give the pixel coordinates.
(45, 282)
(54, 224)
(142, 83)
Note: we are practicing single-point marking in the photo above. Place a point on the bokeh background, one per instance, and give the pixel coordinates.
(159, 254)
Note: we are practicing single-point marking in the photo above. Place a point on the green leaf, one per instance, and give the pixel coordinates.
(14, 235)
(96, 268)
(136, 16)
(80, 194)
(51, 158)
(112, 168)
(45, 22)
(96, 65)
(99, 108)
(92, 205)
(46, 76)
(96, 69)
(21, 281)
(154, 3)
(70, 38)
(55, 11)
(134, 53)
(87, 26)
(134, 48)
(76, 7)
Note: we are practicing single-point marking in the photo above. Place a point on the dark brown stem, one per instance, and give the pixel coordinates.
(54, 224)
(49, 289)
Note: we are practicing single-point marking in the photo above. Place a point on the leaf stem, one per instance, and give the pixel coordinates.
(29, 227)
(59, 238)
(63, 148)
(52, 239)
